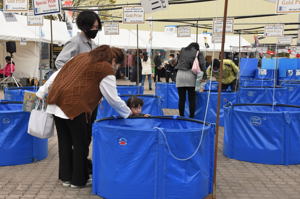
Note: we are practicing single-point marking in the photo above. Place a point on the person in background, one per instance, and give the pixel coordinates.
(137, 69)
(136, 104)
(74, 92)
(230, 74)
(146, 69)
(89, 23)
(157, 66)
(8, 69)
(186, 79)
(170, 68)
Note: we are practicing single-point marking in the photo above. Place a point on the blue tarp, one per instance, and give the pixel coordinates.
(16, 145)
(152, 105)
(256, 83)
(262, 95)
(168, 94)
(211, 85)
(265, 74)
(132, 160)
(293, 94)
(17, 93)
(286, 64)
(130, 90)
(248, 67)
(201, 103)
(269, 63)
(262, 134)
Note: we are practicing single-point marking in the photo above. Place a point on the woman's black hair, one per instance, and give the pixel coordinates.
(145, 56)
(193, 45)
(86, 20)
(134, 102)
(216, 64)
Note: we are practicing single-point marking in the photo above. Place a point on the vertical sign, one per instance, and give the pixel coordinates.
(184, 31)
(46, 7)
(111, 28)
(274, 30)
(218, 25)
(288, 6)
(154, 5)
(33, 20)
(15, 5)
(133, 15)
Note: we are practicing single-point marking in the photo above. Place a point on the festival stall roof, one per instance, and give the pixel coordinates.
(15, 27)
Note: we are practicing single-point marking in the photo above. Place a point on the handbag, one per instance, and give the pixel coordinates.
(41, 123)
(196, 67)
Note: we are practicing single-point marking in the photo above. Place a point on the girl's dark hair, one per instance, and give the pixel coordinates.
(134, 102)
(216, 64)
(145, 56)
(107, 53)
(8, 58)
(86, 20)
(193, 45)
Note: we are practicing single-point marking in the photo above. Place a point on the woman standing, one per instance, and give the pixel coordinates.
(74, 92)
(186, 79)
(146, 70)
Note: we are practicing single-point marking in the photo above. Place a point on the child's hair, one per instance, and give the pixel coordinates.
(134, 102)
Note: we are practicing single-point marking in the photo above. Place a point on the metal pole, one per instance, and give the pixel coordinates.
(219, 99)
(137, 56)
(239, 46)
(51, 45)
(197, 32)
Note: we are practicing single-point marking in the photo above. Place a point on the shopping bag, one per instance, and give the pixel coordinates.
(196, 66)
(41, 123)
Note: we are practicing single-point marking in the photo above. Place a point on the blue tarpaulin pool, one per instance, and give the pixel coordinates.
(16, 145)
(256, 83)
(201, 103)
(130, 90)
(262, 133)
(168, 94)
(262, 95)
(152, 158)
(17, 93)
(152, 105)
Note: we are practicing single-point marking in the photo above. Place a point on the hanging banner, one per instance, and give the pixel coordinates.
(285, 40)
(154, 5)
(33, 20)
(46, 7)
(218, 25)
(184, 31)
(216, 38)
(15, 5)
(111, 28)
(133, 15)
(274, 30)
(288, 6)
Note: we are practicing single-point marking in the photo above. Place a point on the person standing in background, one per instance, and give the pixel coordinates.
(89, 23)
(170, 68)
(186, 79)
(146, 70)
(8, 69)
(157, 66)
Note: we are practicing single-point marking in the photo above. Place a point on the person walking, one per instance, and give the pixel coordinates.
(157, 67)
(74, 92)
(186, 79)
(146, 70)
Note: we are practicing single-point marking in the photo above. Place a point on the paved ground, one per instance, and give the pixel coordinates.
(236, 179)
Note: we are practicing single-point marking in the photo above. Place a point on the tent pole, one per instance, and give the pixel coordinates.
(219, 100)
(197, 32)
(51, 44)
(137, 57)
(239, 46)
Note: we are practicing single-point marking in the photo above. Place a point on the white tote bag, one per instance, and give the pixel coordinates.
(41, 123)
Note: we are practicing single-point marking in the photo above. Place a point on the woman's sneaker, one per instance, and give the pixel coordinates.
(66, 183)
(88, 184)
